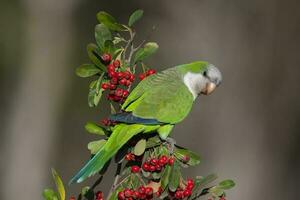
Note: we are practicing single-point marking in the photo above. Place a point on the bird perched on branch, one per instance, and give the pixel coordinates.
(156, 104)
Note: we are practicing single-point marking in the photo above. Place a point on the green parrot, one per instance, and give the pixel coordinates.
(156, 104)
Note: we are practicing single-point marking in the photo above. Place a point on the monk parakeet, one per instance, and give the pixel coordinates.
(156, 104)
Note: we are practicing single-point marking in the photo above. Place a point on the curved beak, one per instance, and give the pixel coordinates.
(210, 87)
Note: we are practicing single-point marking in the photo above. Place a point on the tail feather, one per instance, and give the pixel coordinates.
(119, 137)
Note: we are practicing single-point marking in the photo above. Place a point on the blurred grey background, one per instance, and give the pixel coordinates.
(247, 130)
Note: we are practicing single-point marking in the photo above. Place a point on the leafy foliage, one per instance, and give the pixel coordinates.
(148, 166)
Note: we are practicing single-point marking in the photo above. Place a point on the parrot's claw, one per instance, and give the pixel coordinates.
(171, 142)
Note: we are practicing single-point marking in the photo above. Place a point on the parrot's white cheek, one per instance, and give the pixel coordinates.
(195, 83)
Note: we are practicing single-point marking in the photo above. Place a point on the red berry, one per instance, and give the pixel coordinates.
(123, 81)
(106, 58)
(114, 80)
(136, 195)
(117, 98)
(222, 198)
(120, 75)
(189, 187)
(111, 68)
(179, 194)
(127, 83)
(142, 190)
(129, 198)
(99, 194)
(171, 161)
(163, 160)
(146, 167)
(135, 169)
(152, 168)
(105, 122)
(105, 86)
(125, 93)
(150, 72)
(121, 195)
(185, 159)
(142, 76)
(116, 63)
(112, 86)
(143, 196)
(127, 192)
(154, 161)
(119, 92)
(149, 191)
(157, 193)
(127, 74)
(190, 182)
(158, 167)
(72, 198)
(187, 193)
(131, 78)
(112, 74)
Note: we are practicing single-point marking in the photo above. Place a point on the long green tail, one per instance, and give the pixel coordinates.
(119, 137)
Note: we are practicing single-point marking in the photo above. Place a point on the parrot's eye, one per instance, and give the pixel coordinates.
(205, 73)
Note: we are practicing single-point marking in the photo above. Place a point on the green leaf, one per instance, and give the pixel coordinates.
(109, 47)
(153, 141)
(94, 56)
(201, 182)
(49, 194)
(216, 191)
(102, 34)
(114, 195)
(140, 147)
(135, 16)
(95, 92)
(87, 193)
(181, 153)
(112, 109)
(59, 185)
(95, 146)
(99, 90)
(146, 174)
(208, 179)
(226, 184)
(109, 21)
(87, 70)
(174, 177)
(93, 128)
(156, 175)
(143, 53)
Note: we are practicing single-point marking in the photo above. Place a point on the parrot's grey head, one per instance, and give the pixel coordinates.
(203, 82)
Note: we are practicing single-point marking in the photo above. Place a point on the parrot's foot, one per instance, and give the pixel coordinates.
(171, 142)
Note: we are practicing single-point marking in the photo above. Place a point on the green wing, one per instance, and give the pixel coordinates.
(162, 96)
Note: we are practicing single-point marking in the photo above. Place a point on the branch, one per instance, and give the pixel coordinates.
(117, 177)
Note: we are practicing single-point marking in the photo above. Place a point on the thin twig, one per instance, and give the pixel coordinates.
(117, 177)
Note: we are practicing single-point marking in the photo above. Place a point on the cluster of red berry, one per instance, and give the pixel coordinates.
(186, 192)
(157, 164)
(147, 73)
(141, 193)
(117, 78)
